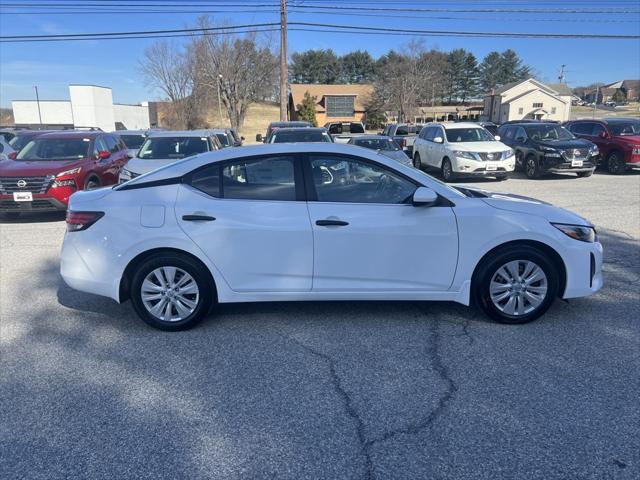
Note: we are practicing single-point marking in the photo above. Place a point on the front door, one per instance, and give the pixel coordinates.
(250, 219)
(367, 234)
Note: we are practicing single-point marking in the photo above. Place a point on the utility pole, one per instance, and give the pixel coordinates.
(38, 102)
(284, 74)
(219, 105)
(561, 76)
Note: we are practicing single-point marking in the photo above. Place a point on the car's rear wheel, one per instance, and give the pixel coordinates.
(615, 163)
(417, 162)
(516, 285)
(585, 174)
(172, 292)
(447, 170)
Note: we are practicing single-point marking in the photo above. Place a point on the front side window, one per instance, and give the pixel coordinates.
(347, 180)
(430, 134)
(581, 128)
(112, 144)
(548, 132)
(340, 106)
(270, 178)
(99, 146)
(41, 149)
(456, 135)
(223, 139)
(626, 128)
(159, 148)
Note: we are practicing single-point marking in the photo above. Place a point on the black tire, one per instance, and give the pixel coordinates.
(615, 163)
(417, 162)
(447, 171)
(501, 178)
(489, 267)
(206, 296)
(585, 174)
(92, 183)
(531, 166)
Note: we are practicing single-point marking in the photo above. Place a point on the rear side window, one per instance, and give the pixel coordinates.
(581, 128)
(508, 133)
(402, 131)
(112, 144)
(268, 178)
(207, 180)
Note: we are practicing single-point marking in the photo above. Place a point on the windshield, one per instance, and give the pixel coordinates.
(223, 139)
(158, 148)
(133, 142)
(377, 144)
(456, 135)
(548, 132)
(48, 149)
(408, 130)
(621, 129)
(289, 136)
(19, 141)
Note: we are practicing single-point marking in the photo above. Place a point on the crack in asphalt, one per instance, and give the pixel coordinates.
(436, 363)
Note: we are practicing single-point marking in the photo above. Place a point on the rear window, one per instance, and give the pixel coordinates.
(289, 136)
(224, 140)
(133, 141)
(42, 149)
(157, 148)
(19, 141)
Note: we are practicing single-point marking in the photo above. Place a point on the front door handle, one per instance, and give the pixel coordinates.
(198, 218)
(329, 223)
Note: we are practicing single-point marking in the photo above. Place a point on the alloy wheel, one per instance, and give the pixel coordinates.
(518, 287)
(170, 294)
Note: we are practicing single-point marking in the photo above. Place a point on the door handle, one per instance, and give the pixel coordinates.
(329, 223)
(198, 218)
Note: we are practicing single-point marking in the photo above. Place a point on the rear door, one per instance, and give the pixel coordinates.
(368, 236)
(250, 219)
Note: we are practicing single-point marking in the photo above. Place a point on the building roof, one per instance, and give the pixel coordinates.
(631, 84)
(561, 88)
(362, 92)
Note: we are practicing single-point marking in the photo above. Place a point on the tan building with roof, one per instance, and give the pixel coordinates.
(528, 99)
(334, 103)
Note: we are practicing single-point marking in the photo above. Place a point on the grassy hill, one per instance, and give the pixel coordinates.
(258, 118)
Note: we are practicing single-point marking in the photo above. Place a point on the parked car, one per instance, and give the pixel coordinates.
(263, 223)
(6, 151)
(225, 137)
(133, 139)
(21, 137)
(237, 137)
(298, 135)
(382, 144)
(462, 149)
(404, 135)
(273, 126)
(341, 132)
(491, 127)
(618, 140)
(163, 147)
(543, 148)
(52, 166)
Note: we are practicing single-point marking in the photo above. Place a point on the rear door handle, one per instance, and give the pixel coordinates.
(198, 218)
(329, 223)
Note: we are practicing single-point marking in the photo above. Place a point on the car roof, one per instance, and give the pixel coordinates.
(130, 132)
(220, 130)
(619, 119)
(282, 124)
(371, 137)
(72, 134)
(301, 129)
(448, 126)
(180, 133)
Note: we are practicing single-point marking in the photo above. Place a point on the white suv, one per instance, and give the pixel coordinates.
(458, 149)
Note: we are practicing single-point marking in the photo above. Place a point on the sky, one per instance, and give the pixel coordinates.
(53, 66)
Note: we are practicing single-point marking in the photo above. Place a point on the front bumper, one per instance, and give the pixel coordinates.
(40, 203)
(553, 164)
(467, 167)
(584, 275)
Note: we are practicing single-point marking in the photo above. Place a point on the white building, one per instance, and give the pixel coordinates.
(88, 106)
(528, 99)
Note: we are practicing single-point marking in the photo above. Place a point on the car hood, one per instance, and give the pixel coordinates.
(479, 146)
(140, 166)
(528, 205)
(564, 144)
(17, 168)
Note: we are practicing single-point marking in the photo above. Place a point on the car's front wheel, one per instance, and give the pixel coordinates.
(531, 166)
(516, 285)
(447, 170)
(417, 162)
(172, 292)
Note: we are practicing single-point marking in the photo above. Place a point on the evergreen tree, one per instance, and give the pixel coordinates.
(357, 67)
(315, 66)
(307, 109)
(490, 72)
(455, 73)
(468, 85)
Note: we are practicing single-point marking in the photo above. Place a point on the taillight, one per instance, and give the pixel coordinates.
(78, 221)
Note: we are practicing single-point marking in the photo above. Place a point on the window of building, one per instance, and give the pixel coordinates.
(520, 111)
(340, 106)
(537, 105)
(553, 110)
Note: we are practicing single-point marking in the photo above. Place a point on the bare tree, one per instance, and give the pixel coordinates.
(170, 68)
(243, 69)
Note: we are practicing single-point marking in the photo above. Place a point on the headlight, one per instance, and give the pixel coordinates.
(508, 153)
(547, 149)
(550, 152)
(577, 232)
(73, 171)
(63, 183)
(463, 154)
(594, 150)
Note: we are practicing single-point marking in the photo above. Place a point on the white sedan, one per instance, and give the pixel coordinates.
(319, 222)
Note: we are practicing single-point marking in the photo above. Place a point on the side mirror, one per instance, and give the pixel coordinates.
(424, 197)
(258, 137)
(103, 154)
(496, 138)
(438, 140)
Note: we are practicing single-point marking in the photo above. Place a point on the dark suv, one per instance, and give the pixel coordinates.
(52, 166)
(617, 138)
(543, 147)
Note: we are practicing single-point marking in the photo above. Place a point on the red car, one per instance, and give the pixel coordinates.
(618, 140)
(52, 166)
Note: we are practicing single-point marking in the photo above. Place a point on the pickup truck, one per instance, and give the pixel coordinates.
(404, 134)
(341, 132)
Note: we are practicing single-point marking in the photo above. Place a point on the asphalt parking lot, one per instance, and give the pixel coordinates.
(330, 390)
